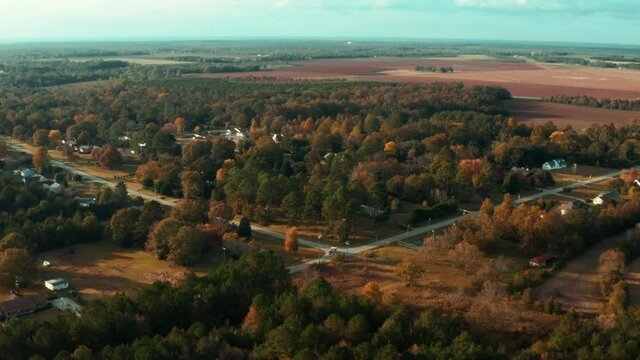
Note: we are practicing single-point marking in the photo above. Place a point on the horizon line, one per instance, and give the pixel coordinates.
(137, 39)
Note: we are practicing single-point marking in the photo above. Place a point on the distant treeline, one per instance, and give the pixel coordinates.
(555, 59)
(36, 74)
(583, 100)
(431, 68)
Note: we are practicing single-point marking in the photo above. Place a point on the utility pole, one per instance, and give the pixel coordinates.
(224, 255)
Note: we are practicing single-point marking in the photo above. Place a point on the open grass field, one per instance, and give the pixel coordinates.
(521, 79)
(444, 286)
(102, 269)
(578, 117)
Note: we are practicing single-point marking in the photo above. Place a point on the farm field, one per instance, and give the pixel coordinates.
(578, 117)
(521, 79)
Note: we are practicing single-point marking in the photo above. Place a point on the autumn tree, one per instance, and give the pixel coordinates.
(41, 138)
(291, 240)
(467, 256)
(191, 211)
(41, 158)
(410, 270)
(159, 236)
(15, 240)
(16, 265)
(192, 184)
(110, 157)
(371, 291)
(610, 269)
(54, 137)
(180, 125)
(220, 212)
(390, 147)
(70, 154)
(251, 321)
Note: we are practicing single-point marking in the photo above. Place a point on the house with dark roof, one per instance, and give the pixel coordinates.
(569, 206)
(23, 305)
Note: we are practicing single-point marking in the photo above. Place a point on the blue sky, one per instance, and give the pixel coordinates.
(591, 21)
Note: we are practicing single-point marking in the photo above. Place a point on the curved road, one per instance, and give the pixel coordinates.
(345, 250)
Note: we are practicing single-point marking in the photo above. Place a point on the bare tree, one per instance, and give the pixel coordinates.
(610, 269)
(467, 256)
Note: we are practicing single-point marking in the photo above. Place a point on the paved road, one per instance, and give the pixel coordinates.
(317, 245)
(99, 180)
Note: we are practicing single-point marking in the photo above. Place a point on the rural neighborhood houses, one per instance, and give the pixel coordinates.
(554, 164)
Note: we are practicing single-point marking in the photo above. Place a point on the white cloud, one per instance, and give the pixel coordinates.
(281, 4)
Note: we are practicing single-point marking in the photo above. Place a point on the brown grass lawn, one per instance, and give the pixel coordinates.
(444, 287)
(442, 278)
(102, 269)
(583, 172)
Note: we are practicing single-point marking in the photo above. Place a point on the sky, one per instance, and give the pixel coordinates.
(587, 21)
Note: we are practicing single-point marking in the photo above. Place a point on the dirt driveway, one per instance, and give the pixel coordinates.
(576, 285)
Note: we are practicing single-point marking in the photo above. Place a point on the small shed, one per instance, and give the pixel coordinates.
(56, 284)
(542, 260)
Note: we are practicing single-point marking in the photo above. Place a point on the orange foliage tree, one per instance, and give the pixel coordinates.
(291, 240)
(41, 157)
(371, 291)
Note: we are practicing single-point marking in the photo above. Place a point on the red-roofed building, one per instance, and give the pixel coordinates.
(542, 260)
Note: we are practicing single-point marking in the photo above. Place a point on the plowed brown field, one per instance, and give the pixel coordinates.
(521, 79)
(579, 117)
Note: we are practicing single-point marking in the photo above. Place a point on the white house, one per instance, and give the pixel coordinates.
(56, 284)
(555, 164)
(605, 198)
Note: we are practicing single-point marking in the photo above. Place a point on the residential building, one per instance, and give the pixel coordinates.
(56, 284)
(22, 305)
(542, 260)
(554, 164)
(606, 198)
